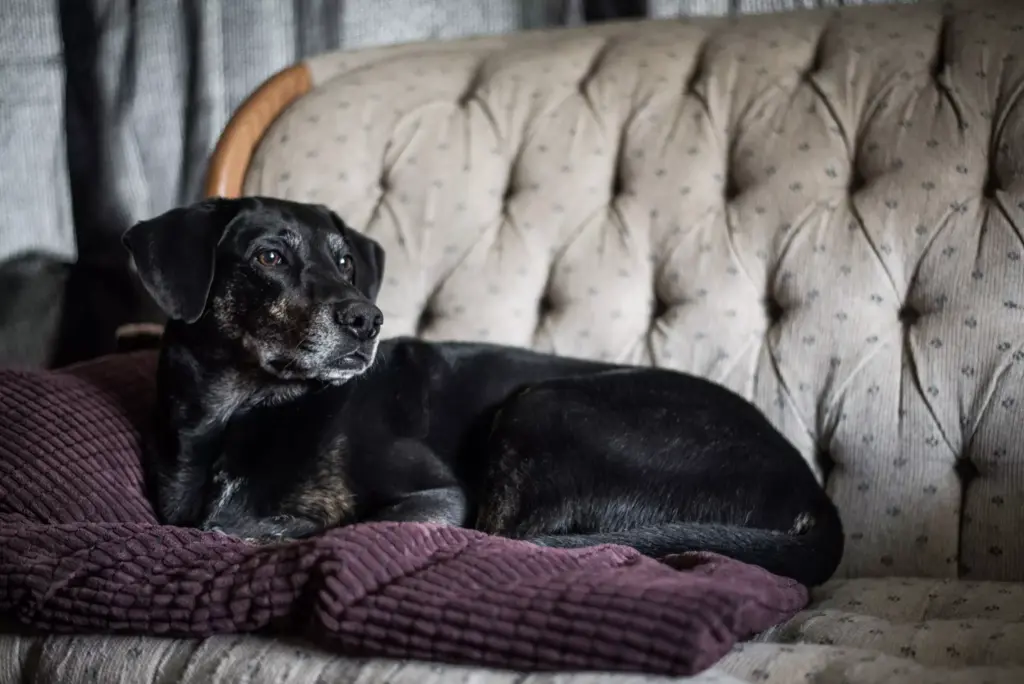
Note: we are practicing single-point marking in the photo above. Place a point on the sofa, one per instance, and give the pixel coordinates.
(109, 111)
(821, 210)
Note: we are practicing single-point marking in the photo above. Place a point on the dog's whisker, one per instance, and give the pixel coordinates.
(292, 359)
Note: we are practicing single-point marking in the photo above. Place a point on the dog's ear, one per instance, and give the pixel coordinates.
(175, 252)
(369, 259)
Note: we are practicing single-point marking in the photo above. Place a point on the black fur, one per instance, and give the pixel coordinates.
(281, 415)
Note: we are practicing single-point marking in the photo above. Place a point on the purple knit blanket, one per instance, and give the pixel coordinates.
(81, 551)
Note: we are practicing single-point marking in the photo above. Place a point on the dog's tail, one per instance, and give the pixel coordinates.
(809, 553)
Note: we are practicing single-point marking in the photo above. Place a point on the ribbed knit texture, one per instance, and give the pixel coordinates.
(81, 551)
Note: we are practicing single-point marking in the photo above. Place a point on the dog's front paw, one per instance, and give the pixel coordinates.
(542, 541)
(802, 524)
(265, 540)
(275, 529)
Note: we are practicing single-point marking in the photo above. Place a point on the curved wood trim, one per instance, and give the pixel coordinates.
(230, 160)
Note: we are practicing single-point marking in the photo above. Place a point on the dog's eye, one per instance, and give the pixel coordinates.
(269, 257)
(345, 263)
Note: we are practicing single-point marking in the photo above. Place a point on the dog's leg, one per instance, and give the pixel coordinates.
(179, 488)
(661, 463)
(423, 490)
(268, 530)
(441, 506)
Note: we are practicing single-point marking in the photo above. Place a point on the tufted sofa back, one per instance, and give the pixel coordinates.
(820, 210)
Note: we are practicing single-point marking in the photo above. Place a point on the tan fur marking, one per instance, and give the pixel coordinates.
(802, 524)
(327, 497)
(280, 309)
(499, 511)
(330, 503)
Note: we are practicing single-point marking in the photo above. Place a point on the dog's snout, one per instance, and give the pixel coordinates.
(363, 319)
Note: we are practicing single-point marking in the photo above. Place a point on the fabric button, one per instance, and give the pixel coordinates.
(545, 306)
(773, 310)
(659, 309)
(731, 189)
(857, 181)
(966, 471)
(909, 315)
(426, 320)
(826, 463)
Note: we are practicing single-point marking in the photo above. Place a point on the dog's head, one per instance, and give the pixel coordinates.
(289, 285)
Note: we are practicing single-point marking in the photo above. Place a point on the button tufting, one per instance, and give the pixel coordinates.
(731, 190)
(813, 254)
(773, 309)
(545, 306)
(966, 471)
(618, 186)
(659, 309)
(909, 315)
(857, 181)
(426, 320)
(826, 463)
(991, 187)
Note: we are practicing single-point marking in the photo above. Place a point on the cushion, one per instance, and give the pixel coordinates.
(862, 631)
(900, 630)
(82, 551)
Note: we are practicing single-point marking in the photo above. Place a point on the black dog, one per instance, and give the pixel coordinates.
(281, 414)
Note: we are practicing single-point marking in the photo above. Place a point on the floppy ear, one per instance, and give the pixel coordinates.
(370, 259)
(174, 254)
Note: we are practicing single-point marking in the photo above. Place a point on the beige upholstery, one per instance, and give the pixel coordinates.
(821, 210)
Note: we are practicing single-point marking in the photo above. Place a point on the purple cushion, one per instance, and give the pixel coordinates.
(81, 551)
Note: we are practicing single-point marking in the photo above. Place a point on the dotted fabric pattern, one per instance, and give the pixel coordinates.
(81, 551)
(821, 210)
(856, 631)
(893, 630)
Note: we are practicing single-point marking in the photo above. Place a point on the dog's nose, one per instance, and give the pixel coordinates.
(363, 319)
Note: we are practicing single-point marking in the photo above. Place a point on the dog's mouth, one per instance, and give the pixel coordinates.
(309, 363)
(358, 360)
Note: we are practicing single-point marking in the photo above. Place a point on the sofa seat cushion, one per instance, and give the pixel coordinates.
(912, 631)
(814, 664)
(893, 630)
